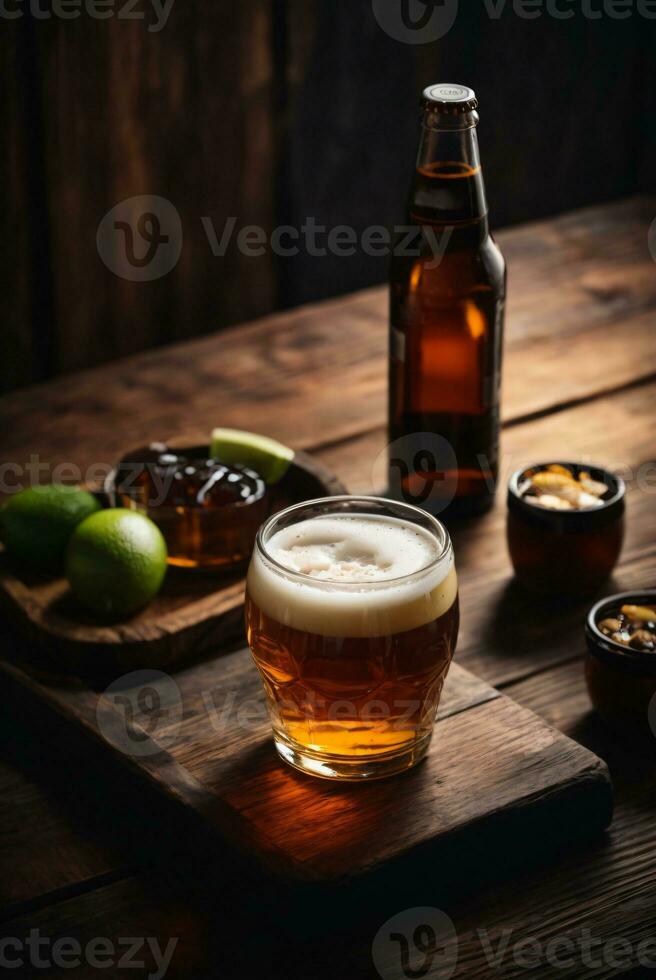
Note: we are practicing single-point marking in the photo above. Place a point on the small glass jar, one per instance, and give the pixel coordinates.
(621, 681)
(208, 512)
(565, 552)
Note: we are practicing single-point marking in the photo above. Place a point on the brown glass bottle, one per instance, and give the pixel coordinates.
(448, 283)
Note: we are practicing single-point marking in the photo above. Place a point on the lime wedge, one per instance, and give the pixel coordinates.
(266, 456)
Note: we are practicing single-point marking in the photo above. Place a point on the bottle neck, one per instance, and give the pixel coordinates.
(448, 188)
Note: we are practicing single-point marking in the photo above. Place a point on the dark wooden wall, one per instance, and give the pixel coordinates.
(272, 111)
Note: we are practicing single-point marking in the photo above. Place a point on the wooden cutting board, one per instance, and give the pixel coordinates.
(496, 776)
(194, 613)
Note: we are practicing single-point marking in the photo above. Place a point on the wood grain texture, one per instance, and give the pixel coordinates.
(605, 889)
(83, 854)
(23, 257)
(491, 768)
(273, 112)
(502, 635)
(608, 886)
(201, 931)
(136, 114)
(586, 890)
(603, 886)
(192, 615)
(286, 375)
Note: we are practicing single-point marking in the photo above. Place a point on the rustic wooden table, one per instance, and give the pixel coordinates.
(82, 852)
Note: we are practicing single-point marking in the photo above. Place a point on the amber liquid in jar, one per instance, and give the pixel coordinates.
(208, 512)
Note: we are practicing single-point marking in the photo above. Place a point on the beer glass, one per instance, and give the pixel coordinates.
(352, 618)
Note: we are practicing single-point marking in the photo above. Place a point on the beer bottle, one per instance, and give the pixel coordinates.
(448, 283)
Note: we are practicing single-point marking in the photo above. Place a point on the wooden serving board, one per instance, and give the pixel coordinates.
(193, 613)
(496, 780)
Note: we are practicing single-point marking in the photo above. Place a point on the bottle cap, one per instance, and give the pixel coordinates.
(450, 99)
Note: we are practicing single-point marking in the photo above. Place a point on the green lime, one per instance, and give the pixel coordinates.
(269, 458)
(37, 522)
(116, 562)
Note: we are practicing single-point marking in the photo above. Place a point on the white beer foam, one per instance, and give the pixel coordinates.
(347, 561)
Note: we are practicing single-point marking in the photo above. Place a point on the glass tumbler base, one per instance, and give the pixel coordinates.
(353, 769)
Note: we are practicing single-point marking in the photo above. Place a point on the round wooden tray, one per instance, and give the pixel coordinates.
(195, 613)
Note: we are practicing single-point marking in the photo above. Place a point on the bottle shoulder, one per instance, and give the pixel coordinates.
(451, 264)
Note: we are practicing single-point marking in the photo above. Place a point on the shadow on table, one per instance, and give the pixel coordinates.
(516, 629)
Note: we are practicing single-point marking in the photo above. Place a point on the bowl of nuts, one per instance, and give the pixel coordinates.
(621, 660)
(565, 527)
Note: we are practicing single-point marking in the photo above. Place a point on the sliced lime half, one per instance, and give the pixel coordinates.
(269, 458)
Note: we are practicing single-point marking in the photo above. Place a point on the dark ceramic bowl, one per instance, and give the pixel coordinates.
(621, 681)
(568, 553)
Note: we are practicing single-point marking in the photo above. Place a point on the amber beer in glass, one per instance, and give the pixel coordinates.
(448, 283)
(352, 617)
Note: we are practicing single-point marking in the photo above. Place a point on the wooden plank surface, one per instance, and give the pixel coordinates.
(216, 758)
(217, 112)
(23, 247)
(606, 889)
(28, 814)
(502, 636)
(117, 80)
(54, 843)
(588, 888)
(599, 302)
(300, 361)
